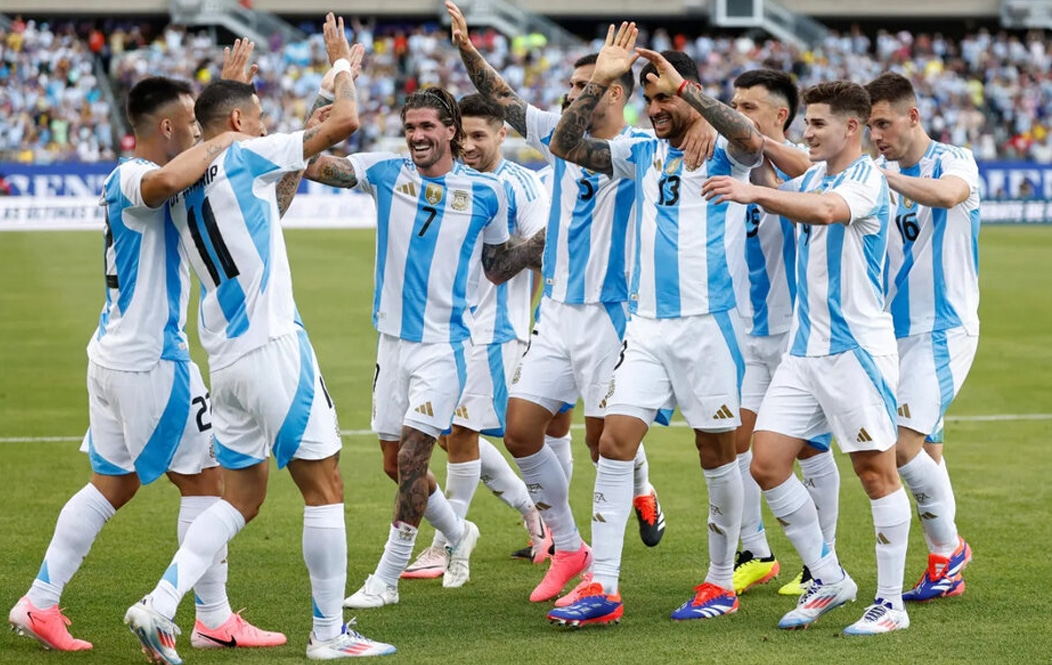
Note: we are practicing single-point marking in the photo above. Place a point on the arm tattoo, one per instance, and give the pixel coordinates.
(504, 261)
(414, 455)
(569, 140)
(332, 171)
(737, 129)
(286, 190)
(490, 84)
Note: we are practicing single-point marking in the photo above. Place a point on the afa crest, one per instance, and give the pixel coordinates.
(907, 203)
(460, 200)
(433, 194)
(673, 165)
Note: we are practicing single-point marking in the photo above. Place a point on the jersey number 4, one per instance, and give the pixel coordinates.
(214, 238)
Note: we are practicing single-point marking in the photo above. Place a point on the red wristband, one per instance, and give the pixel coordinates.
(679, 92)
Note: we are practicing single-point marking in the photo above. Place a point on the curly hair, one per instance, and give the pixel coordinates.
(448, 113)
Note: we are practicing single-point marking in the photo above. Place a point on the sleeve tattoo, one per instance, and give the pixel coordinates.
(735, 127)
(332, 171)
(569, 139)
(504, 261)
(490, 84)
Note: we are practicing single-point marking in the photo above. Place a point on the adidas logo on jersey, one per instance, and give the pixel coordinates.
(904, 411)
(462, 412)
(863, 436)
(425, 409)
(723, 414)
(408, 189)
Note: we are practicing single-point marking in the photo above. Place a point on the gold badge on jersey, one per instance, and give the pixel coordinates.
(433, 194)
(657, 163)
(673, 165)
(460, 200)
(907, 203)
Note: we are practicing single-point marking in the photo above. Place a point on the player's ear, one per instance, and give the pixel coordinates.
(166, 127)
(235, 119)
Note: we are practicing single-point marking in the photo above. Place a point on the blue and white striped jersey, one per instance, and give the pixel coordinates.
(230, 226)
(428, 243)
(591, 218)
(680, 263)
(839, 268)
(763, 264)
(147, 279)
(503, 311)
(933, 258)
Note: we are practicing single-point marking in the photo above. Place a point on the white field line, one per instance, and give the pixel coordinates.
(987, 418)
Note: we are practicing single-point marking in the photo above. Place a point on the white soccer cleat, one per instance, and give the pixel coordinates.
(156, 632)
(818, 599)
(374, 593)
(459, 570)
(879, 618)
(348, 644)
(431, 563)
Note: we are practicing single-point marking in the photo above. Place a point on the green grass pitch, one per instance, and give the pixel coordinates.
(50, 300)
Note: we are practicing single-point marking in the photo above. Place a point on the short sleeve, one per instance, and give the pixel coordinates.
(959, 162)
(496, 230)
(130, 176)
(862, 195)
(283, 151)
(627, 154)
(531, 212)
(539, 128)
(363, 164)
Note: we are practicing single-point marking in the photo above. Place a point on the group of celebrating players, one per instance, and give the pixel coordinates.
(779, 295)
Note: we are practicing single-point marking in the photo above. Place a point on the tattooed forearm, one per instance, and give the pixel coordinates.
(286, 190)
(735, 127)
(490, 84)
(414, 455)
(502, 262)
(332, 171)
(569, 141)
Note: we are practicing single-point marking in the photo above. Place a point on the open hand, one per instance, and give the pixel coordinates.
(459, 27)
(667, 80)
(617, 55)
(235, 62)
(336, 45)
(723, 189)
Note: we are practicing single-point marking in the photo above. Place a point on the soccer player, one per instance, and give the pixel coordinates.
(499, 335)
(268, 394)
(682, 341)
(761, 255)
(933, 297)
(582, 310)
(433, 213)
(149, 412)
(842, 366)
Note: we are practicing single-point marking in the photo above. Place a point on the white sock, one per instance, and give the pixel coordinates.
(397, 552)
(951, 513)
(209, 533)
(725, 510)
(462, 478)
(563, 449)
(795, 510)
(822, 482)
(546, 481)
(926, 482)
(754, 537)
(891, 521)
(641, 474)
(79, 523)
(325, 553)
(440, 514)
(210, 600)
(497, 475)
(611, 506)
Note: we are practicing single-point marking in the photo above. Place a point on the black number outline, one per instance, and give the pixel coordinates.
(202, 401)
(909, 229)
(587, 189)
(752, 221)
(208, 219)
(673, 182)
(431, 214)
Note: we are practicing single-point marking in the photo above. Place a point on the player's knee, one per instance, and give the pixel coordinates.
(520, 442)
(767, 474)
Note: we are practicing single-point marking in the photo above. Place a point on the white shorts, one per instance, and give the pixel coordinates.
(762, 356)
(850, 393)
(417, 385)
(932, 368)
(273, 400)
(484, 402)
(572, 353)
(148, 422)
(694, 362)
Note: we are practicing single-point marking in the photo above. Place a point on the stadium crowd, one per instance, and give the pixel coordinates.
(989, 91)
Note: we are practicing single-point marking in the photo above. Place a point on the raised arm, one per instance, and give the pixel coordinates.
(487, 80)
(159, 185)
(332, 171)
(944, 192)
(745, 143)
(343, 118)
(569, 141)
(790, 160)
(801, 207)
(504, 261)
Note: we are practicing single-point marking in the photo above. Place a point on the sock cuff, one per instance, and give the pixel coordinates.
(787, 498)
(225, 511)
(892, 509)
(466, 469)
(534, 461)
(641, 455)
(324, 517)
(812, 466)
(197, 504)
(98, 501)
(721, 471)
(566, 439)
(917, 468)
(614, 467)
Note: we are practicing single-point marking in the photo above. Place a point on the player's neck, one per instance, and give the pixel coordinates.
(438, 169)
(846, 158)
(608, 130)
(916, 151)
(151, 150)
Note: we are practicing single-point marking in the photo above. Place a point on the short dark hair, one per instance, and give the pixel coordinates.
(892, 88)
(219, 98)
(680, 61)
(778, 83)
(151, 94)
(843, 97)
(478, 106)
(448, 112)
(626, 80)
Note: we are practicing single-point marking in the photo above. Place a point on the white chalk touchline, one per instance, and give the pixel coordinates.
(990, 417)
